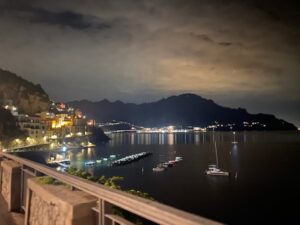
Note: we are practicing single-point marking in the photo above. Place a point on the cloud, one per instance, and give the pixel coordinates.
(141, 50)
(65, 18)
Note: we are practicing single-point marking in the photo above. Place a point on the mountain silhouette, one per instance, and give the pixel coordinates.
(183, 110)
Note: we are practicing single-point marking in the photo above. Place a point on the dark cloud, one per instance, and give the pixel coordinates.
(225, 43)
(65, 18)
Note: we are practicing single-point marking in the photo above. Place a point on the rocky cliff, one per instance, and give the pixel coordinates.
(30, 98)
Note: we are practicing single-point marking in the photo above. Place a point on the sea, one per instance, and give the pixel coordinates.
(263, 186)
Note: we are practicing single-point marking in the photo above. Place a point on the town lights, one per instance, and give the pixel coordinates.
(54, 137)
(17, 142)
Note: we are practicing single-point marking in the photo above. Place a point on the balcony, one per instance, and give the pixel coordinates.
(105, 198)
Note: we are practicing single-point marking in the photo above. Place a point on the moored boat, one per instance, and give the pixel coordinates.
(213, 170)
(158, 169)
(90, 163)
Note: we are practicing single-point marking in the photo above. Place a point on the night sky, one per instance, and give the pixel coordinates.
(238, 53)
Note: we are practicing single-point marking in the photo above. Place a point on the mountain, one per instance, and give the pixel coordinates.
(28, 97)
(185, 110)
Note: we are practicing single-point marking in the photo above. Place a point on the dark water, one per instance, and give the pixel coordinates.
(265, 167)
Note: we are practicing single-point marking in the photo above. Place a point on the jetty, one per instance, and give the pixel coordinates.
(130, 159)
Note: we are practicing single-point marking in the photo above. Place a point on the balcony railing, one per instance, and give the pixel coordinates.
(147, 209)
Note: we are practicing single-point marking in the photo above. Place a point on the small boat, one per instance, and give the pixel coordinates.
(89, 163)
(172, 162)
(98, 161)
(104, 159)
(167, 164)
(213, 170)
(164, 165)
(158, 169)
(178, 158)
(112, 156)
(64, 163)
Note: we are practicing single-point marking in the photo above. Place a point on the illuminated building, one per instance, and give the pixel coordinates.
(33, 125)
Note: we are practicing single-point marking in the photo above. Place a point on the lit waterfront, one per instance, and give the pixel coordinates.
(265, 164)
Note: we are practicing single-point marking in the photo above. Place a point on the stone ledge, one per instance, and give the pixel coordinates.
(10, 165)
(11, 184)
(59, 204)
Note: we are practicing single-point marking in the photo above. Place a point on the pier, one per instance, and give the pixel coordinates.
(36, 147)
(130, 158)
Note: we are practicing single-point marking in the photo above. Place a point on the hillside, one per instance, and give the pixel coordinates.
(8, 128)
(30, 98)
(186, 110)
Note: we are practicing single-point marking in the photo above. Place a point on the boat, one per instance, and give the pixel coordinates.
(164, 165)
(172, 162)
(158, 169)
(64, 162)
(61, 161)
(214, 170)
(178, 158)
(112, 156)
(90, 163)
(169, 164)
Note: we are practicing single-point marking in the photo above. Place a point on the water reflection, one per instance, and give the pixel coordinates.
(169, 138)
(235, 160)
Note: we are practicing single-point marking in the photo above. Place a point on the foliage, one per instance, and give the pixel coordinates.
(48, 180)
(140, 194)
(112, 182)
(108, 182)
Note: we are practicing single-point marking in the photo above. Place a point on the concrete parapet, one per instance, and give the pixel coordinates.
(57, 205)
(11, 184)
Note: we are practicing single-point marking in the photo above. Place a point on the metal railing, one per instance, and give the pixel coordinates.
(147, 209)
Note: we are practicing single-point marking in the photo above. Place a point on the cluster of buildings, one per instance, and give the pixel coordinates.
(120, 126)
(59, 123)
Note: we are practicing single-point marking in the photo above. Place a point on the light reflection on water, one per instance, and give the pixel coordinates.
(158, 138)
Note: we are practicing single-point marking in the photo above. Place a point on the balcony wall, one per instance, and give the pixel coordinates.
(58, 205)
(11, 184)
